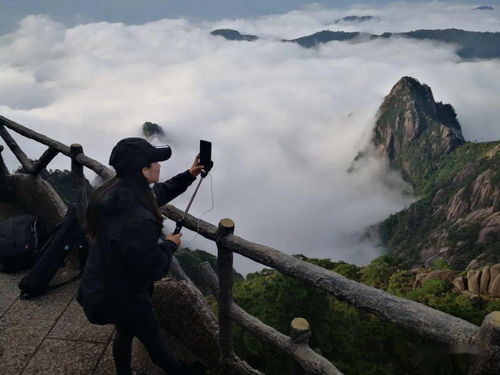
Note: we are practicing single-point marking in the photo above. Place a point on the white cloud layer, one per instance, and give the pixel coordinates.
(285, 122)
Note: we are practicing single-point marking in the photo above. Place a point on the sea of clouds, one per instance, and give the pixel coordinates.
(285, 122)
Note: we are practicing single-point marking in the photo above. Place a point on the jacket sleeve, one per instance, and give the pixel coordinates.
(140, 252)
(170, 189)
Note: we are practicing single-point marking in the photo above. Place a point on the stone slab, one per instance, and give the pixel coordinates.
(140, 363)
(18, 342)
(106, 365)
(9, 291)
(73, 325)
(62, 357)
(49, 306)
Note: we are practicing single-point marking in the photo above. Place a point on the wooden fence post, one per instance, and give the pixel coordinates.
(80, 196)
(300, 352)
(225, 265)
(4, 172)
(487, 361)
(300, 332)
(78, 179)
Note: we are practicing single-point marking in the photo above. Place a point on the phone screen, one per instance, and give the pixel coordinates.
(205, 152)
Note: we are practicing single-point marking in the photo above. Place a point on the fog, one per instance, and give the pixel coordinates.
(285, 122)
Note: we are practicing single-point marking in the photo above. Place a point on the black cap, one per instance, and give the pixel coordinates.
(133, 154)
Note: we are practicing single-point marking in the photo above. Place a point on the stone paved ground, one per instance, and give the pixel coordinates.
(50, 335)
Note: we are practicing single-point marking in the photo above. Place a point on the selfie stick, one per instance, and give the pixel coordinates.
(204, 173)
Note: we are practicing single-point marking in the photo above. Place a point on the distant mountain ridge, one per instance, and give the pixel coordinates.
(356, 19)
(230, 34)
(457, 216)
(472, 44)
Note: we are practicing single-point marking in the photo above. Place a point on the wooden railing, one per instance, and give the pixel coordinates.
(482, 341)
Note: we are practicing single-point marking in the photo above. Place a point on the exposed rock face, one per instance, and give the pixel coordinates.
(457, 206)
(411, 127)
(484, 281)
(39, 196)
(186, 315)
(446, 275)
(494, 288)
(460, 284)
(457, 217)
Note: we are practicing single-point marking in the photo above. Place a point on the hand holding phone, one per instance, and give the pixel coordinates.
(206, 156)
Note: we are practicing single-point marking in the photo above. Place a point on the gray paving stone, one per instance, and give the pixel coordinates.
(48, 307)
(74, 325)
(9, 291)
(61, 357)
(18, 341)
(140, 361)
(106, 365)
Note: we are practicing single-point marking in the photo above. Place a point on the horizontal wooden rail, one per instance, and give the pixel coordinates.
(414, 316)
(311, 361)
(83, 159)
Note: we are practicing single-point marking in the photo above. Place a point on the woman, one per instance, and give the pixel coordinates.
(124, 224)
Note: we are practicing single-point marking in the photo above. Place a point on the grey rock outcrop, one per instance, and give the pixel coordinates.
(447, 275)
(459, 283)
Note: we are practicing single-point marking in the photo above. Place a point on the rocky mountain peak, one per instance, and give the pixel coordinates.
(412, 130)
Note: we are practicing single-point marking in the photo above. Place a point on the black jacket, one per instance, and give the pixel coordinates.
(127, 257)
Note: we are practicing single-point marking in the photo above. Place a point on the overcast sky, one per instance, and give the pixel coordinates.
(72, 12)
(285, 121)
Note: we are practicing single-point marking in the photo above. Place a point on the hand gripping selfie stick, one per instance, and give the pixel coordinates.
(204, 173)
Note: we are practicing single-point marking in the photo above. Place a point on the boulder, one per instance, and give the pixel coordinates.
(459, 284)
(447, 275)
(494, 288)
(185, 314)
(484, 280)
(494, 271)
(473, 278)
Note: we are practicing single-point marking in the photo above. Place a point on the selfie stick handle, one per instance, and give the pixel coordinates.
(179, 224)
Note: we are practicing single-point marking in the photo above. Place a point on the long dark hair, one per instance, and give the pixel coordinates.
(98, 211)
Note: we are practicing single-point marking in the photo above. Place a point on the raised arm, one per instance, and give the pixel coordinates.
(170, 189)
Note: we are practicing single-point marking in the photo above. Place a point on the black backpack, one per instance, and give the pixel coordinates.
(68, 236)
(21, 240)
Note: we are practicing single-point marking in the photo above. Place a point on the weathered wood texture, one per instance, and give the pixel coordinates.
(80, 196)
(177, 271)
(487, 344)
(44, 160)
(26, 163)
(4, 171)
(78, 180)
(97, 167)
(411, 315)
(38, 196)
(300, 331)
(225, 297)
(310, 361)
(185, 313)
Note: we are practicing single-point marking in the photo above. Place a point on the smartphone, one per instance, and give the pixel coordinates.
(205, 152)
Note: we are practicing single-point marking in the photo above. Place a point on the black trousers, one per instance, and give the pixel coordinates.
(139, 320)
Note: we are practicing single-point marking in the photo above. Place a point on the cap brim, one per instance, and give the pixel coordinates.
(162, 153)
